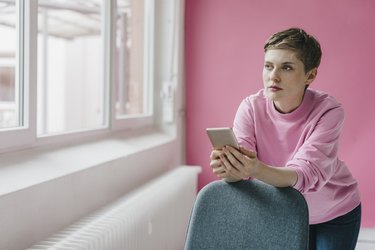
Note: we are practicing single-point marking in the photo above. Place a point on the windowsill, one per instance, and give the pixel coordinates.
(24, 169)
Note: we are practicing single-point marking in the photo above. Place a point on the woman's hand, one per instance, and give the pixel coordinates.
(240, 164)
(218, 168)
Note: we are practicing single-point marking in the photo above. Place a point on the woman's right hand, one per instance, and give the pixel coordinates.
(218, 168)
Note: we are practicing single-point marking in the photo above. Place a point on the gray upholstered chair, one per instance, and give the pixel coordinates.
(248, 215)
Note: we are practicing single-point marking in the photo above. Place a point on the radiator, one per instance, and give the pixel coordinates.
(150, 218)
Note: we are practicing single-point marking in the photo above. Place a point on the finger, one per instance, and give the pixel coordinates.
(215, 163)
(215, 154)
(239, 161)
(232, 159)
(226, 162)
(217, 167)
(237, 157)
(231, 170)
(220, 172)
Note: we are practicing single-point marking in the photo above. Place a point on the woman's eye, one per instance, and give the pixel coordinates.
(267, 66)
(287, 68)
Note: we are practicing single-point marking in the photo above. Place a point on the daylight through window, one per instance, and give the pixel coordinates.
(70, 66)
(10, 116)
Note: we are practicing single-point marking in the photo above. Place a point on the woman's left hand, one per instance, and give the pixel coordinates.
(240, 163)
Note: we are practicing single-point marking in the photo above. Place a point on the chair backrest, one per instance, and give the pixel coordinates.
(248, 215)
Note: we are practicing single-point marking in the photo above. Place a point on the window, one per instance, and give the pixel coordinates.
(133, 51)
(68, 67)
(10, 85)
(71, 87)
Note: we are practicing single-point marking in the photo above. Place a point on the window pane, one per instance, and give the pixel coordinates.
(9, 85)
(70, 62)
(131, 57)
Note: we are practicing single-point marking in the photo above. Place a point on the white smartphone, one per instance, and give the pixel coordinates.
(221, 137)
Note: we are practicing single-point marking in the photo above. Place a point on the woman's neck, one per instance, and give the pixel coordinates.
(288, 106)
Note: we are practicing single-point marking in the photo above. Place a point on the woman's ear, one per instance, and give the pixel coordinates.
(311, 75)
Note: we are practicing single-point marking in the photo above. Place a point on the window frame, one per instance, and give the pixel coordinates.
(125, 122)
(26, 135)
(79, 134)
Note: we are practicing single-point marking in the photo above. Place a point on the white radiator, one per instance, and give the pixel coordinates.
(153, 217)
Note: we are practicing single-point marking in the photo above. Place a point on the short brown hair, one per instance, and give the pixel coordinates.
(307, 47)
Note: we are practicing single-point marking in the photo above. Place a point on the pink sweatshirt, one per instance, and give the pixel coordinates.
(307, 140)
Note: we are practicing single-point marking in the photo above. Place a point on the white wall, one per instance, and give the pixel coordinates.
(43, 190)
(35, 212)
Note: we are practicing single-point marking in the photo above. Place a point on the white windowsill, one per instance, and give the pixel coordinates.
(23, 169)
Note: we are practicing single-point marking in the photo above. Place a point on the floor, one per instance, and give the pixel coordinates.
(366, 239)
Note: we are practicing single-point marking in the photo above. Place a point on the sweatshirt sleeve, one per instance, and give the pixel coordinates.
(316, 160)
(243, 126)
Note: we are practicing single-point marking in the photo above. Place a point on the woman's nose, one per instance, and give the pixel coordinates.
(274, 76)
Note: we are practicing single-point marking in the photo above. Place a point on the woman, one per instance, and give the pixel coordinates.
(289, 136)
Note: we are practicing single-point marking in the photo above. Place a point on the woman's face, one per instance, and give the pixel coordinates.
(284, 79)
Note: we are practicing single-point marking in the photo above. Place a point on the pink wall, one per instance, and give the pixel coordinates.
(224, 59)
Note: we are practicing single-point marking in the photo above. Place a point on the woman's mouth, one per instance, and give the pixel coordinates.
(274, 88)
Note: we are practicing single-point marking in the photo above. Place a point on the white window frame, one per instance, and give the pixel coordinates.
(77, 135)
(133, 121)
(25, 136)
